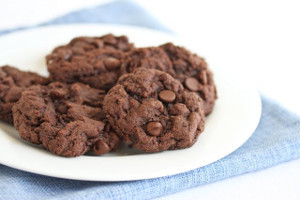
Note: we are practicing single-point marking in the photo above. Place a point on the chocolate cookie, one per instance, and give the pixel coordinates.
(150, 109)
(12, 83)
(192, 71)
(150, 57)
(66, 119)
(91, 60)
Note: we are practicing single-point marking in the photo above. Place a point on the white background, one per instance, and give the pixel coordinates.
(257, 38)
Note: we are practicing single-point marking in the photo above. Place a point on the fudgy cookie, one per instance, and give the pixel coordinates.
(149, 57)
(66, 119)
(150, 109)
(192, 71)
(91, 60)
(12, 83)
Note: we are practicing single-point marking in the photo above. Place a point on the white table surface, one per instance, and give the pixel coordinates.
(260, 39)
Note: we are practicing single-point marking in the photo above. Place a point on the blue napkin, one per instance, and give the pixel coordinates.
(276, 140)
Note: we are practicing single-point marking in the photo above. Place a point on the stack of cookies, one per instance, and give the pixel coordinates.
(103, 90)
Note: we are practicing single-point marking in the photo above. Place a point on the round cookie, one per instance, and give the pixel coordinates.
(12, 82)
(149, 57)
(192, 71)
(66, 119)
(98, 68)
(91, 60)
(150, 109)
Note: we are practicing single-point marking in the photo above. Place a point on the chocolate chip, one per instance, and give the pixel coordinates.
(58, 93)
(62, 108)
(67, 54)
(112, 63)
(154, 128)
(77, 50)
(167, 96)
(203, 77)
(87, 40)
(191, 84)
(110, 39)
(63, 53)
(100, 147)
(99, 43)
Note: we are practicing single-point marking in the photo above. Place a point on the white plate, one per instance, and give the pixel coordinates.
(235, 117)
